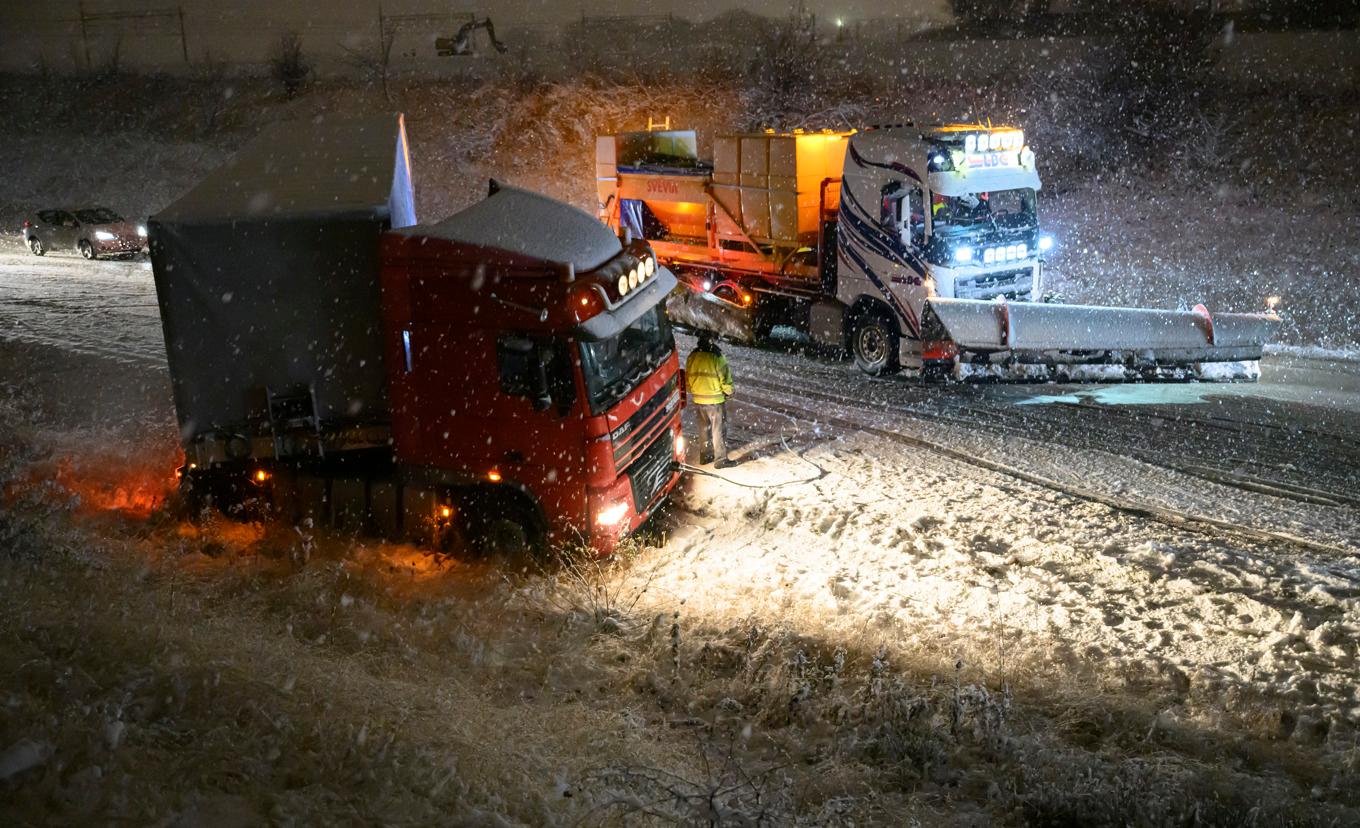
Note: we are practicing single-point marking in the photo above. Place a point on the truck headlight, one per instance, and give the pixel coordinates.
(141, 230)
(963, 254)
(623, 285)
(649, 266)
(989, 256)
(633, 277)
(104, 235)
(611, 515)
(1045, 242)
(680, 447)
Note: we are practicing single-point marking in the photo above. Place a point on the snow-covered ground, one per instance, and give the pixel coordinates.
(1062, 582)
(102, 307)
(1208, 532)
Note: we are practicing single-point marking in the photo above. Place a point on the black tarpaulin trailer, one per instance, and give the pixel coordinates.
(267, 278)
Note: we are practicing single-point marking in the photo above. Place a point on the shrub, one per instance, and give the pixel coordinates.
(289, 66)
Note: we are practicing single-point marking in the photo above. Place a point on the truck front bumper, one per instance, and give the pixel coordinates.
(606, 537)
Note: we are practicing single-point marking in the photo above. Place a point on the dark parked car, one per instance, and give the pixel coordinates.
(92, 231)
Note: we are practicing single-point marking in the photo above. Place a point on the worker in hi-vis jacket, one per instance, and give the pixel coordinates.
(709, 381)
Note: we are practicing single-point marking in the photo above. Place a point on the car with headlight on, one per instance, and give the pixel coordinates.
(90, 231)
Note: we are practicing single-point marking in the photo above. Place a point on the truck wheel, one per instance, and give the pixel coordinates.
(86, 249)
(35, 245)
(874, 344)
(503, 538)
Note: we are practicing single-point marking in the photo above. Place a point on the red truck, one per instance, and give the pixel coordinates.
(504, 378)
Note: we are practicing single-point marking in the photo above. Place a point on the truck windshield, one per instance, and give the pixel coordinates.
(998, 209)
(613, 367)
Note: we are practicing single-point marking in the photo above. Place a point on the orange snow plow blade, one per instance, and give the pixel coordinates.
(1028, 340)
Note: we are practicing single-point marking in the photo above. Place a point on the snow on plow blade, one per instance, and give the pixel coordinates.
(1029, 340)
(704, 312)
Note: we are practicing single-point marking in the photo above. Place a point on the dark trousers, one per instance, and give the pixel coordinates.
(712, 432)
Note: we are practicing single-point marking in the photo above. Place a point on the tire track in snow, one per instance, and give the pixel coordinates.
(103, 308)
(1176, 519)
(1096, 439)
(953, 558)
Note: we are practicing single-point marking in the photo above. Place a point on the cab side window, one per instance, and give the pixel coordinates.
(890, 210)
(916, 216)
(902, 213)
(517, 357)
(561, 383)
(536, 368)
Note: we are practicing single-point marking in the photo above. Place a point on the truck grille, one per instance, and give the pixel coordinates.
(1012, 284)
(650, 473)
(629, 437)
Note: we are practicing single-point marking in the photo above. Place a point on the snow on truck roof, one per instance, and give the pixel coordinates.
(324, 166)
(530, 225)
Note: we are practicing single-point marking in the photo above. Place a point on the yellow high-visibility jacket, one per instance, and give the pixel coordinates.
(708, 378)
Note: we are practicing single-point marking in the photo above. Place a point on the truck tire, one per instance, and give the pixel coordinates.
(86, 250)
(503, 525)
(504, 538)
(873, 341)
(35, 246)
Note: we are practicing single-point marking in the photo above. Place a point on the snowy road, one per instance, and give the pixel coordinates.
(1205, 537)
(103, 307)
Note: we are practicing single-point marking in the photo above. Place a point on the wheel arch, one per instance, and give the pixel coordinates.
(507, 499)
(866, 305)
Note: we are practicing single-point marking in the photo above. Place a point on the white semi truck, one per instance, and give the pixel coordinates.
(910, 247)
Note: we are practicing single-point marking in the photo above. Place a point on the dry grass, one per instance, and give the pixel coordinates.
(371, 683)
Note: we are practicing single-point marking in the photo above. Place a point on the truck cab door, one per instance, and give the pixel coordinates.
(902, 219)
(877, 261)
